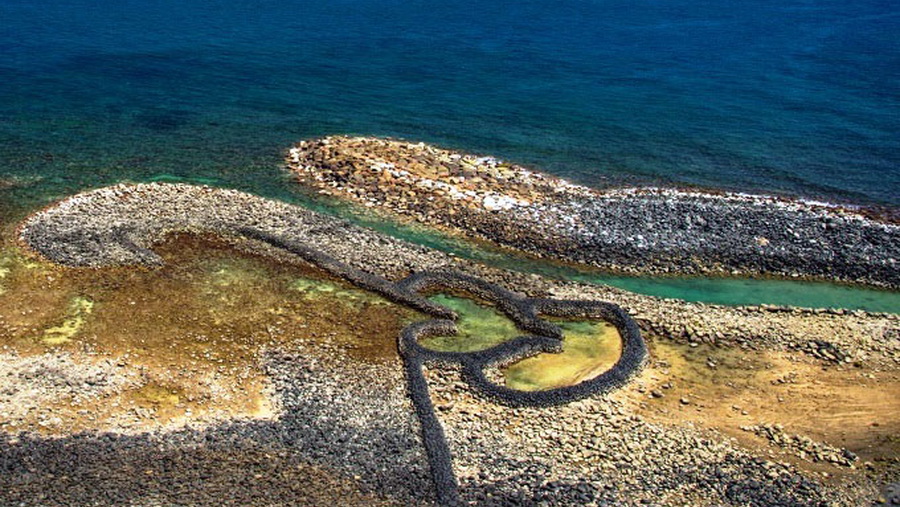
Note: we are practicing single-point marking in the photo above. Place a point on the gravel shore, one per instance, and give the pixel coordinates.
(346, 432)
(646, 230)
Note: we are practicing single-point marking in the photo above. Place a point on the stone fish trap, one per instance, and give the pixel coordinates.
(89, 246)
(524, 312)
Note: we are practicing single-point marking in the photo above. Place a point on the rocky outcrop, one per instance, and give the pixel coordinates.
(650, 230)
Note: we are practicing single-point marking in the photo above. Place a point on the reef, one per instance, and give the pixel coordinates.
(629, 230)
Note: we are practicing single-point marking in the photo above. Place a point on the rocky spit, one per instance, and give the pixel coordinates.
(631, 230)
(346, 431)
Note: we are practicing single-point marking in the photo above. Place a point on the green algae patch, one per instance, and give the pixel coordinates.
(311, 289)
(198, 327)
(479, 327)
(11, 260)
(589, 349)
(78, 311)
(3, 272)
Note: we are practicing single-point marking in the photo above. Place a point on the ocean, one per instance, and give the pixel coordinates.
(790, 97)
(793, 97)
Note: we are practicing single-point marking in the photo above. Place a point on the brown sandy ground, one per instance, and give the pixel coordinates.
(180, 344)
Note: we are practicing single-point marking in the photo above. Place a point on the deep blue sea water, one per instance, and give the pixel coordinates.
(788, 96)
(792, 96)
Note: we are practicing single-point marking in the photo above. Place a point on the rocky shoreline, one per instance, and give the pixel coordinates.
(357, 422)
(632, 230)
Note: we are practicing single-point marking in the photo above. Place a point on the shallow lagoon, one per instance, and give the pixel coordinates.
(201, 324)
(189, 338)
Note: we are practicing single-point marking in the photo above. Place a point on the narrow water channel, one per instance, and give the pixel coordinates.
(715, 290)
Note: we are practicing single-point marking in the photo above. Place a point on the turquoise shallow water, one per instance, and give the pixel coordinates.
(794, 97)
(726, 291)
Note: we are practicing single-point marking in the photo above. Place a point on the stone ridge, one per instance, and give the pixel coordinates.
(525, 313)
(632, 230)
(118, 225)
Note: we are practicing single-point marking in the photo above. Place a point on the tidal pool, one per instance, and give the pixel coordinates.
(479, 326)
(589, 347)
